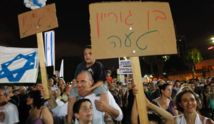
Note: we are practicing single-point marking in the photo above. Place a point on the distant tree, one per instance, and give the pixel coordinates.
(194, 56)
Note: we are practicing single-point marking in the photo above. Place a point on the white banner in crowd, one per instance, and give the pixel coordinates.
(50, 48)
(61, 72)
(125, 67)
(18, 65)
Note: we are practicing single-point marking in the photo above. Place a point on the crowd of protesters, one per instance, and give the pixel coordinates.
(25, 104)
(95, 97)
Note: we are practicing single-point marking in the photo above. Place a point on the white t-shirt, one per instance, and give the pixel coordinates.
(181, 120)
(61, 109)
(9, 114)
(98, 116)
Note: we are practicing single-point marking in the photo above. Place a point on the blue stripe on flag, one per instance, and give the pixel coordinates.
(36, 2)
(51, 47)
(46, 58)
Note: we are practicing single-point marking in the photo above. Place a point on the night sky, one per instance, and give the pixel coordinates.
(192, 18)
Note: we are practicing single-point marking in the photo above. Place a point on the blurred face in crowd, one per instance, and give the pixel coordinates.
(212, 88)
(208, 90)
(85, 113)
(61, 84)
(192, 86)
(9, 92)
(88, 56)
(3, 98)
(39, 86)
(29, 101)
(167, 92)
(178, 84)
(188, 102)
(84, 82)
(50, 82)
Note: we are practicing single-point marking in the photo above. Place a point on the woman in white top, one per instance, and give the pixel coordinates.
(186, 102)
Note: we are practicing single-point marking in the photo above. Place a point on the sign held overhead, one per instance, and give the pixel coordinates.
(37, 20)
(131, 29)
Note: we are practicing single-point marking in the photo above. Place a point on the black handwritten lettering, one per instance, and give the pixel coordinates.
(140, 40)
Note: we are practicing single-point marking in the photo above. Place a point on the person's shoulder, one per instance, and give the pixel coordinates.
(98, 63)
(156, 100)
(44, 108)
(81, 64)
(206, 120)
(11, 105)
(91, 96)
(178, 118)
(209, 121)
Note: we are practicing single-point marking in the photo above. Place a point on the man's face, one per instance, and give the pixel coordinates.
(83, 83)
(88, 57)
(29, 101)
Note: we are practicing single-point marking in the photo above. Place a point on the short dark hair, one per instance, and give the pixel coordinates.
(78, 103)
(89, 74)
(38, 100)
(87, 47)
(163, 86)
(178, 96)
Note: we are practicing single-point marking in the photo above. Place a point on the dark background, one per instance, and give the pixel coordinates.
(193, 19)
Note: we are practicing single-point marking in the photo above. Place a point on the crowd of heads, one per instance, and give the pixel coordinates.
(200, 92)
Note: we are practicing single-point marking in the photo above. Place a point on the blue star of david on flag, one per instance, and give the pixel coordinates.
(20, 67)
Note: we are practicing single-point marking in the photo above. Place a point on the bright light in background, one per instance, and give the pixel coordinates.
(125, 58)
(212, 41)
(165, 58)
(212, 38)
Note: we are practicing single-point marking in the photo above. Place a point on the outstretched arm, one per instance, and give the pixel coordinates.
(166, 115)
(134, 113)
(134, 117)
(160, 111)
(71, 102)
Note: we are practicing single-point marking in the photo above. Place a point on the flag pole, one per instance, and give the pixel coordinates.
(41, 55)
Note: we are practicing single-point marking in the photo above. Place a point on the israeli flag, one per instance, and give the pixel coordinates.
(34, 4)
(50, 48)
(18, 65)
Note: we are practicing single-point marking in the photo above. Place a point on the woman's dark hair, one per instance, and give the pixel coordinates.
(163, 86)
(38, 100)
(179, 95)
(155, 118)
(78, 103)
